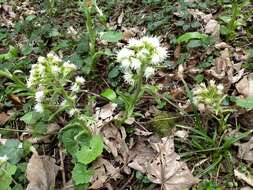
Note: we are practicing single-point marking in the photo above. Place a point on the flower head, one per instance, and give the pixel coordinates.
(39, 108)
(128, 78)
(41, 59)
(68, 65)
(73, 111)
(75, 87)
(134, 43)
(124, 53)
(141, 56)
(150, 71)
(39, 96)
(80, 80)
(135, 64)
(152, 41)
(143, 53)
(209, 96)
(125, 63)
(55, 69)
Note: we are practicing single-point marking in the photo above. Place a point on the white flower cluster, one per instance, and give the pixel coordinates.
(141, 55)
(210, 96)
(50, 74)
(51, 65)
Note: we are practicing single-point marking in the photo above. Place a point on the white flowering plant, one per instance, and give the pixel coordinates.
(55, 87)
(139, 61)
(210, 98)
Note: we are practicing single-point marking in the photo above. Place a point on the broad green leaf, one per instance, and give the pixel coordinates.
(225, 19)
(81, 174)
(6, 171)
(67, 137)
(194, 44)
(245, 103)
(109, 94)
(112, 36)
(30, 118)
(13, 150)
(190, 36)
(87, 154)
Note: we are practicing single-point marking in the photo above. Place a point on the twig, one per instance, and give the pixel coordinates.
(127, 182)
(62, 166)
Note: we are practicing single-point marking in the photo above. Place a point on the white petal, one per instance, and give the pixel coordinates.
(150, 71)
(135, 64)
(124, 54)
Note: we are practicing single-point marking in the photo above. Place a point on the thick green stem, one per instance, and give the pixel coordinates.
(136, 94)
(91, 32)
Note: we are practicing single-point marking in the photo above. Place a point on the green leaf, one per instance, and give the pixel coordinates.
(109, 94)
(245, 103)
(39, 129)
(81, 174)
(194, 44)
(54, 33)
(13, 150)
(6, 171)
(30, 18)
(67, 137)
(189, 36)
(225, 19)
(87, 154)
(199, 78)
(31, 118)
(112, 36)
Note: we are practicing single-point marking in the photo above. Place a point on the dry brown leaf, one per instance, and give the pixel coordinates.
(15, 99)
(129, 33)
(199, 15)
(41, 172)
(162, 165)
(114, 139)
(248, 178)
(246, 188)
(246, 119)
(213, 27)
(245, 86)
(245, 151)
(4, 118)
(103, 170)
(167, 170)
(225, 68)
(140, 155)
(221, 45)
(106, 111)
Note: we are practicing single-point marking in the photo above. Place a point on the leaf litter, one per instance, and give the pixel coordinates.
(41, 172)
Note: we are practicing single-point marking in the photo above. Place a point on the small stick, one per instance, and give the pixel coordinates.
(127, 182)
(62, 166)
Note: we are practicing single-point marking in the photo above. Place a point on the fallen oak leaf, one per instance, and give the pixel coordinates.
(103, 170)
(167, 170)
(41, 172)
(161, 165)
